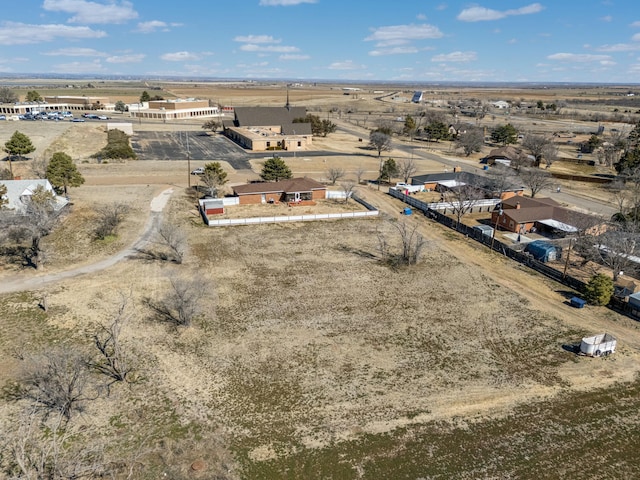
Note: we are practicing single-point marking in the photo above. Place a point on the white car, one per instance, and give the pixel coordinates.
(198, 171)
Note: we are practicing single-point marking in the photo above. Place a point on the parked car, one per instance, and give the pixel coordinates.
(198, 171)
(103, 117)
(3, 117)
(77, 119)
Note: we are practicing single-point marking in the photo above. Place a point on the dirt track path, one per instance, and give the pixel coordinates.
(33, 283)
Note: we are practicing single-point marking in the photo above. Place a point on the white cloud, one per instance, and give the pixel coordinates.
(84, 11)
(480, 14)
(255, 39)
(130, 58)
(75, 52)
(180, 56)
(294, 57)
(635, 24)
(155, 25)
(455, 57)
(619, 47)
(12, 33)
(393, 51)
(581, 58)
(636, 37)
(607, 18)
(404, 33)
(251, 47)
(346, 65)
(283, 3)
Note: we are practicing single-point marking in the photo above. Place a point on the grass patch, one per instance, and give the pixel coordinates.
(551, 439)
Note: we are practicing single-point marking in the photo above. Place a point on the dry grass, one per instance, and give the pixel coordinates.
(314, 359)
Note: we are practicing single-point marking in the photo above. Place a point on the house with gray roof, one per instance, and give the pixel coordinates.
(19, 193)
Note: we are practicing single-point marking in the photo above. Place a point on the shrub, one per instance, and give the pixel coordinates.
(599, 290)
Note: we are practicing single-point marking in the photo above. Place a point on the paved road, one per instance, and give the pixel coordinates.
(33, 283)
(565, 196)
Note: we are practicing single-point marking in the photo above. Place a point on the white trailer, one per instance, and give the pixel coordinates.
(599, 345)
(405, 187)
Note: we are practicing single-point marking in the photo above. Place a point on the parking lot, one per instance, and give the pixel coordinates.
(180, 145)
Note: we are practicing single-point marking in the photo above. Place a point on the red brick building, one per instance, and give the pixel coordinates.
(292, 190)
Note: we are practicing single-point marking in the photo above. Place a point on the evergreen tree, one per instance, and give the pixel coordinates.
(275, 169)
(19, 144)
(62, 172)
(599, 289)
(213, 177)
(505, 134)
(389, 170)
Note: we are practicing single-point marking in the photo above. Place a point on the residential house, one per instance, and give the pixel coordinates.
(506, 155)
(294, 190)
(523, 214)
(19, 193)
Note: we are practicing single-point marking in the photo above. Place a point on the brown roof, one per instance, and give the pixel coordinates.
(527, 202)
(508, 151)
(292, 185)
(537, 209)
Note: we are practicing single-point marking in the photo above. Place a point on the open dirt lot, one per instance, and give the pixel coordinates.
(311, 357)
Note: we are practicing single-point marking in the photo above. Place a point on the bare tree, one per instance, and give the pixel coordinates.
(109, 218)
(114, 360)
(52, 448)
(407, 168)
(182, 304)
(612, 147)
(535, 179)
(380, 141)
(615, 248)
(57, 380)
(541, 147)
(411, 245)
(334, 174)
(171, 236)
(347, 188)
(461, 199)
(39, 218)
(471, 140)
(359, 173)
(501, 178)
(39, 167)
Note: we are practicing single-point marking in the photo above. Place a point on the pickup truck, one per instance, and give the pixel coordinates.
(405, 187)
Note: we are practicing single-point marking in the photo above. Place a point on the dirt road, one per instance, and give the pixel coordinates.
(33, 283)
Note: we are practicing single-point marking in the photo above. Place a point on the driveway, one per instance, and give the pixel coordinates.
(155, 215)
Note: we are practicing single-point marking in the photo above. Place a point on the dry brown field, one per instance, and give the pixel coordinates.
(312, 358)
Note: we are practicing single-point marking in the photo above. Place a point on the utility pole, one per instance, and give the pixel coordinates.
(188, 161)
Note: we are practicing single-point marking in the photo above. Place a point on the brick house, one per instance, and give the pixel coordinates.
(523, 214)
(291, 190)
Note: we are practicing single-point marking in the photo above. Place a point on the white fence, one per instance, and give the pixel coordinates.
(224, 222)
(476, 205)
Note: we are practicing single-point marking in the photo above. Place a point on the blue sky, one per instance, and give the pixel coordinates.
(412, 41)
